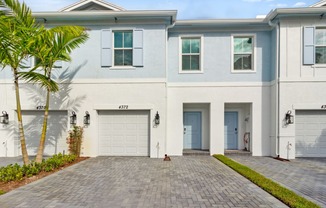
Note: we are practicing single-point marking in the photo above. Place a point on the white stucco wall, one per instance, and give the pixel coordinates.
(256, 95)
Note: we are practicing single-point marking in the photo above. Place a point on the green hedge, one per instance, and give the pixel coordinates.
(15, 172)
(287, 196)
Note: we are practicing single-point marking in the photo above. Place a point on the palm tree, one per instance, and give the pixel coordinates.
(51, 46)
(17, 28)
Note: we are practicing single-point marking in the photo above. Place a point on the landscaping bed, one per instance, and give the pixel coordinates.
(285, 195)
(16, 176)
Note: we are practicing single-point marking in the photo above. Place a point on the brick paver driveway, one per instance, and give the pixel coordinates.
(305, 176)
(199, 181)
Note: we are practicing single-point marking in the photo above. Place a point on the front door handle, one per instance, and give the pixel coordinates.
(184, 130)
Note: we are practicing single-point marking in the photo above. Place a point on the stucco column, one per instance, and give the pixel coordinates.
(217, 128)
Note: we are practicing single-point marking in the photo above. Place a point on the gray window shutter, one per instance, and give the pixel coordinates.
(138, 58)
(58, 64)
(27, 62)
(309, 45)
(106, 48)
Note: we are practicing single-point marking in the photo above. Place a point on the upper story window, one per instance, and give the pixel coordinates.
(191, 54)
(123, 44)
(243, 53)
(320, 46)
(122, 49)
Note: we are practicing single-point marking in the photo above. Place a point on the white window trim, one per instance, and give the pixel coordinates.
(201, 71)
(115, 67)
(254, 70)
(318, 65)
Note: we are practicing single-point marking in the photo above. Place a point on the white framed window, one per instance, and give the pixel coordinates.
(123, 46)
(320, 45)
(243, 53)
(191, 54)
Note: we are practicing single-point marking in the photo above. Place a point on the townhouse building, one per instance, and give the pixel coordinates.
(155, 85)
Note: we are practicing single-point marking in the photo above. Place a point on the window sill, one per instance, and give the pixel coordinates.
(122, 68)
(191, 72)
(243, 71)
(318, 66)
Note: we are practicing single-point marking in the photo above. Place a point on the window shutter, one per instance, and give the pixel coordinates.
(138, 47)
(27, 62)
(106, 48)
(58, 64)
(309, 45)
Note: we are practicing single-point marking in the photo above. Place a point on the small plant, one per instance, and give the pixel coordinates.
(74, 140)
(2, 192)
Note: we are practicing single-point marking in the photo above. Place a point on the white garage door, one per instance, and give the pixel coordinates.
(310, 133)
(56, 131)
(124, 133)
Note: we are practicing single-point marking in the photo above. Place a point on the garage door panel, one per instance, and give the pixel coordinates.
(127, 131)
(310, 133)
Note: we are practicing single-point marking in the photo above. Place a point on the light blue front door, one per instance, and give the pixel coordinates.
(192, 130)
(231, 130)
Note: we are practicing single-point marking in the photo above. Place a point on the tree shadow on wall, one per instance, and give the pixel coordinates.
(61, 101)
(315, 145)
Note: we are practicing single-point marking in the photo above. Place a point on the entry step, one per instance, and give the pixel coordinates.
(189, 152)
(237, 152)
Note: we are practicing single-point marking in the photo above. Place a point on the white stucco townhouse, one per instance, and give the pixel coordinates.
(154, 85)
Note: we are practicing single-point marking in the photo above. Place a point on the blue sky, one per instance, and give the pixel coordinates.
(189, 9)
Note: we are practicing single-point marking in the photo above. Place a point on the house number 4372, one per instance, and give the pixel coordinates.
(123, 107)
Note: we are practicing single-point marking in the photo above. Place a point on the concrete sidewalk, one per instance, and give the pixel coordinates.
(192, 181)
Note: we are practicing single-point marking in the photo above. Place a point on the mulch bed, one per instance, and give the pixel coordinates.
(6, 187)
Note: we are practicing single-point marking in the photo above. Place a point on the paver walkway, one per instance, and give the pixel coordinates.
(199, 181)
(305, 176)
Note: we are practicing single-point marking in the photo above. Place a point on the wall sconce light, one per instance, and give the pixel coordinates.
(4, 119)
(87, 118)
(157, 118)
(289, 119)
(73, 118)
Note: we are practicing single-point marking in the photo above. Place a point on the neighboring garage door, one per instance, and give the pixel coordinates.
(124, 133)
(56, 131)
(310, 140)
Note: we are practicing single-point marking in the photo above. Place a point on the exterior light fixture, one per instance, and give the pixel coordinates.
(87, 118)
(73, 118)
(4, 119)
(157, 118)
(289, 119)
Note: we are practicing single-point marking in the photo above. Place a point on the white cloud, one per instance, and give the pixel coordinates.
(299, 4)
(279, 5)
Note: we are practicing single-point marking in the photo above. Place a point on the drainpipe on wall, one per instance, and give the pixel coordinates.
(166, 76)
(277, 97)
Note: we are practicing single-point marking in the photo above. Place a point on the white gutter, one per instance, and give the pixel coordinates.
(277, 96)
(166, 75)
(295, 12)
(99, 14)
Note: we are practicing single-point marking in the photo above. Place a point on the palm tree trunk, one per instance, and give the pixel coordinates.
(20, 121)
(40, 150)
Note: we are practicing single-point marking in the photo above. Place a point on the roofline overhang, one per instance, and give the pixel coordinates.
(223, 23)
(102, 15)
(294, 12)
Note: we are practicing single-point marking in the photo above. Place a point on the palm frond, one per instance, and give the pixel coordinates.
(37, 78)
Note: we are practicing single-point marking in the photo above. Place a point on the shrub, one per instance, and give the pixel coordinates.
(16, 172)
(74, 140)
(2, 192)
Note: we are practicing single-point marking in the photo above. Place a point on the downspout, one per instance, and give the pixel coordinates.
(277, 82)
(172, 24)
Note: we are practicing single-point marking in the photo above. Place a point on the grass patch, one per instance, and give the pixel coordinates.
(2, 192)
(285, 195)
